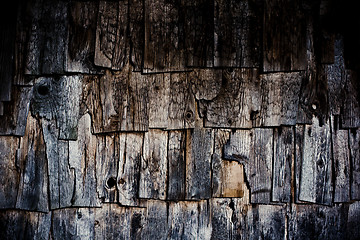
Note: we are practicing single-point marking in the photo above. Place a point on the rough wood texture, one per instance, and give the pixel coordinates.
(299, 145)
(159, 94)
(284, 35)
(156, 220)
(351, 107)
(316, 184)
(137, 35)
(354, 144)
(112, 44)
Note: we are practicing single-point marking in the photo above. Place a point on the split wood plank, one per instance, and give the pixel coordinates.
(17, 224)
(137, 33)
(9, 171)
(111, 217)
(254, 149)
(177, 164)
(227, 176)
(159, 94)
(48, 38)
(59, 99)
(282, 164)
(341, 158)
(279, 98)
(118, 101)
(156, 226)
(31, 157)
(199, 147)
(299, 145)
(181, 102)
(131, 152)
(112, 45)
(164, 37)
(199, 32)
(73, 223)
(237, 31)
(354, 146)
(16, 112)
(82, 154)
(107, 160)
(284, 36)
(61, 177)
(154, 165)
(351, 107)
(316, 184)
(82, 32)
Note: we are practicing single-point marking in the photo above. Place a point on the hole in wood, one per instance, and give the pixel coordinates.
(111, 182)
(121, 181)
(188, 115)
(43, 90)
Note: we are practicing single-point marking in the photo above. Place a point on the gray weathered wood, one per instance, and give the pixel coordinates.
(316, 184)
(299, 145)
(284, 46)
(107, 160)
(159, 94)
(13, 121)
(351, 107)
(156, 226)
(9, 171)
(279, 98)
(154, 165)
(131, 150)
(31, 160)
(81, 43)
(354, 144)
(112, 45)
(82, 154)
(282, 164)
(181, 102)
(164, 37)
(237, 31)
(352, 229)
(137, 33)
(341, 158)
(61, 177)
(176, 165)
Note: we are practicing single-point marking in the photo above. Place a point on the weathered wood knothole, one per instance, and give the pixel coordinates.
(186, 119)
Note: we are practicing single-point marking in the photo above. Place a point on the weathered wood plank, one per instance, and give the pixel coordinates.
(299, 146)
(73, 223)
(352, 229)
(115, 222)
(112, 44)
(159, 94)
(280, 98)
(156, 226)
(82, 32)
(237, 28)
(1, 109)
(137, 33)
(82, 153)
(13, 121)
(164, 37)
(354, 146)
(284, 42)
(154, 165)
(341, 158)
(199, 147)
(9, 171)
(199, 32)
(316, 184)
(107, 160)
(48, 38)
(282, 164)
(131, 150)
(176, 165)
(206, 83)
(181, 102)
(31, 159)
(351, 107)
(16, 224)
(61, 177)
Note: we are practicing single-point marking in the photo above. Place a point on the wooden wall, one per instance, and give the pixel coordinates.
(179, 119)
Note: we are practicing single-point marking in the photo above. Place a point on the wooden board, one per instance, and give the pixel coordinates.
(137, 33)
(13, 120)
(299, 145)
(282, 164)
(154, 165)
(316, 184)
(164, 37)
(352, 230)
(9, 170)
(31, 160)
(284, 43)
(159, 94)
(81, 43)
(237, 31)
(112, 44)
(131, 150)
(351, 107)
(354, 146)
(82, 153)
(156, 226)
